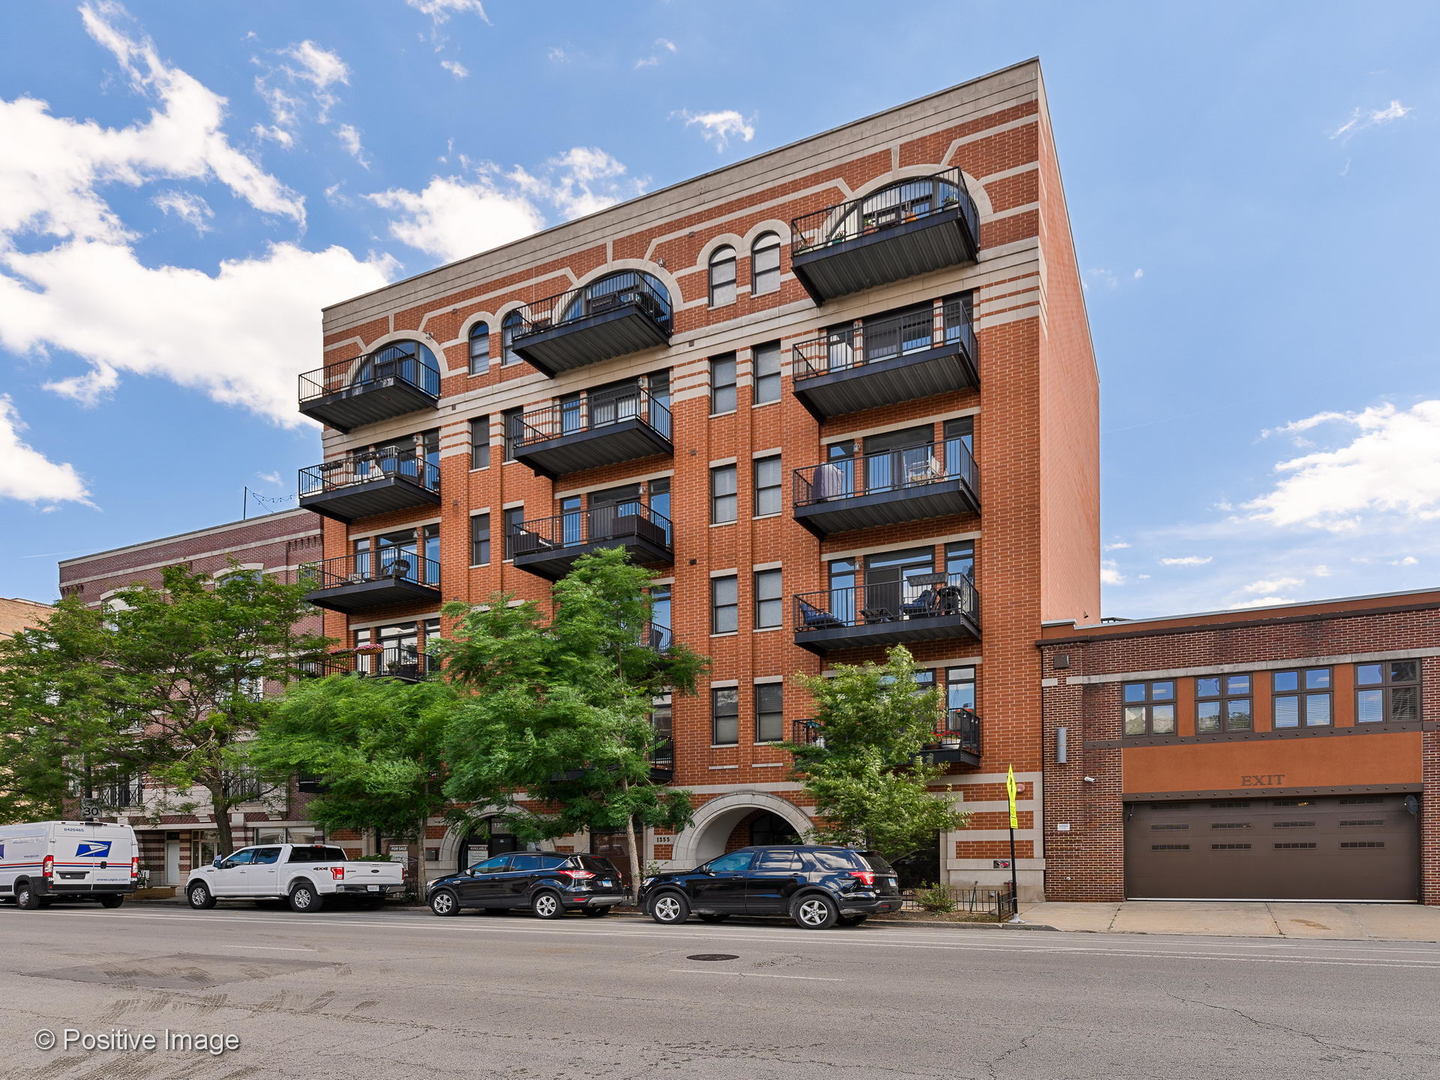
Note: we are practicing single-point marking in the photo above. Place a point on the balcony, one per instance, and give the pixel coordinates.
(383, 385)
(603, 430)
(619, 314)
(911, 483)
(367, 484)
(550, 546)
(403, 662)
(925, 607)
(363, 582)
(957, 739)
(887, 361)
(909, 228)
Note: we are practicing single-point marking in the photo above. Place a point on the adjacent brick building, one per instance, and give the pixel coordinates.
(1274, 753)
(17, 615)
(176, 829)
(781, 385)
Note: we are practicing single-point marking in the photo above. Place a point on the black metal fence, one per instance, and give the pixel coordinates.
(374, 369)
(386, 564)
(597, 411)
(884, 339)
(368, 465)
(959, 729)
(611, 522)
(393, 661)
(887, 470)
(608, 294)
(909, 200)
(886, 602)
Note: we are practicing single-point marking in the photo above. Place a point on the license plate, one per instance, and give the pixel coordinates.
(889, 881)
(605, 884)
(373, 888)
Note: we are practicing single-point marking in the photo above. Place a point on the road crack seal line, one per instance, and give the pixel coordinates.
(1271, 1025)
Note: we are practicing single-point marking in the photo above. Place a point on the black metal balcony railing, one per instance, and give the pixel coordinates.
(365, 468)
(386, 565)
(910, 201)
(596, 525)
(595, 413)
(887, 603)
(959, 729)
(573, 305)
(389, 382)
(657, 636)
(906, 470)
(878, 340)
(394, 661)
(118, 794)
(620, 314)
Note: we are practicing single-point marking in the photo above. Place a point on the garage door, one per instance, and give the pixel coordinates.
(1350, 847)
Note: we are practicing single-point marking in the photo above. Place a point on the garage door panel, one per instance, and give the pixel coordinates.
(1322, 848)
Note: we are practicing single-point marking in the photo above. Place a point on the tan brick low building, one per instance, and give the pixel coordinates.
(17, 615)
(1275, 753)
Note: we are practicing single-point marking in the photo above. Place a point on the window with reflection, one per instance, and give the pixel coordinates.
(722, 276)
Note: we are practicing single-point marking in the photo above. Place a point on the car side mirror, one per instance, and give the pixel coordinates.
(218, 860)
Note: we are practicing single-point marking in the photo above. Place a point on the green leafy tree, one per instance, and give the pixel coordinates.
(561, 710)
(871, 787)
(374, 745)
(163, 681)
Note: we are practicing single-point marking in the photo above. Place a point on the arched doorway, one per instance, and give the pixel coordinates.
(738, 820)
(490, 836)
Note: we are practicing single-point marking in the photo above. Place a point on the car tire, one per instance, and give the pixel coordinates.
(596, 912)
(851, 920)
(547, 904)
(111, 901)
(25, 898)
(445, 903)
(304, 899)
(670, 908)
(814, 911)
(712, 917)
(198, 896)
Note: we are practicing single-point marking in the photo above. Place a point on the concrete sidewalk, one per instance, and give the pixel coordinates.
(1381, 922)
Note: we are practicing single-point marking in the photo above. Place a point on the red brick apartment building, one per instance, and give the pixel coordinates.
(839, 396)
(1274, 753)
(176, 828)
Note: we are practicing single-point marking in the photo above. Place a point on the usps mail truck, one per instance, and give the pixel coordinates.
(68, 860)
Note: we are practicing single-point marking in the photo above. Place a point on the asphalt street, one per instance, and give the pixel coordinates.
(404, 994)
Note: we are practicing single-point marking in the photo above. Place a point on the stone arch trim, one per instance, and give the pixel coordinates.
(910, 172)
(404, 335)
(686, 842)
(661, 273)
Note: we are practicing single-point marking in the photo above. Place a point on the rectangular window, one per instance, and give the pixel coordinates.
(480, 540)
(480, 442)
(722, 494)
(1302, 698)
(1222, 703)
(1387, 692)
(769, 712)
(767, 372)
(768, 605)
(510, 520)
(722, 384)
(724, 604)
(662, 720)
(1150, 708)
(767, 486)
(724, 715)
(513, 426)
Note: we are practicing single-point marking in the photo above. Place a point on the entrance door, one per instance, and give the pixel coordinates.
(1351, 847)
(172, 861)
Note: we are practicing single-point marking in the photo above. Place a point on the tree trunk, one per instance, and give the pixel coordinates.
(634, 857)
(224, 838)
(417, 884)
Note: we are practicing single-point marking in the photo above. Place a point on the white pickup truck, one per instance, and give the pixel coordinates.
(304, 874)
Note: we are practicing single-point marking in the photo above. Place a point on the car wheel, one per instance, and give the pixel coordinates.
(670, 909)
(111, 901)
(546, 904)
(710, 917)
(814, 912)
(304, 898)
(25, 898)
(852, 920)
(445, 902)
(199, 897)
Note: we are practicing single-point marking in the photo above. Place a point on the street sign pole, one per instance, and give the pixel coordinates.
(1014, 823)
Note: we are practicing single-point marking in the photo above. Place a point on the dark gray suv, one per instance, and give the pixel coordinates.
(817, 886)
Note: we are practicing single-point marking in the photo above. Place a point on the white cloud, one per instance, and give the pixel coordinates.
(1186, 560)
(1272, 585)
(271, 478)
(234, 335)
(1390, 467)
(663, 47)
(307, 71)
(317, 66)
(53, 186)
(350, 139)
(187, 206)
(557, 55)
(28, 475)
(720, 127)
(274, 134)
(454, 67)
(454, 216)
(1360, 119)
(1110, 573)
(1321, 571)
(441, 10)
(1408, 560)
(1118, 545)
(1139, 273)
(1261, 601)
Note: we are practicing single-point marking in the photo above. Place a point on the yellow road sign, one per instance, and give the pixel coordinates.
(1010, 790)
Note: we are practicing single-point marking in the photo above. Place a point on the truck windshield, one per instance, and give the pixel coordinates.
(316, 853)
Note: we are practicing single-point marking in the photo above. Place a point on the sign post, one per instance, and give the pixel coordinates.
(1014, 824)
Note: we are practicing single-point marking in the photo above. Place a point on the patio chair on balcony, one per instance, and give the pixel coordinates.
(817, 618)
(877, 614)
(399, 569)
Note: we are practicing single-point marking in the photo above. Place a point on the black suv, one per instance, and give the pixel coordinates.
(549, 883)
(814, 885)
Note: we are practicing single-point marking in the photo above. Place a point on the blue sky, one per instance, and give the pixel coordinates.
(1251, 188)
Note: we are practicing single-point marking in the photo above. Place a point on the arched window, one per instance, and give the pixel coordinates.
(615, 290)
(722, 276)
(765, 264)
(905, 200)
(407, 360)
(479, 348)
(508, 329)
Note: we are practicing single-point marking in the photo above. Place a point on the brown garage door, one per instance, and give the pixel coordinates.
(1349, 847)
